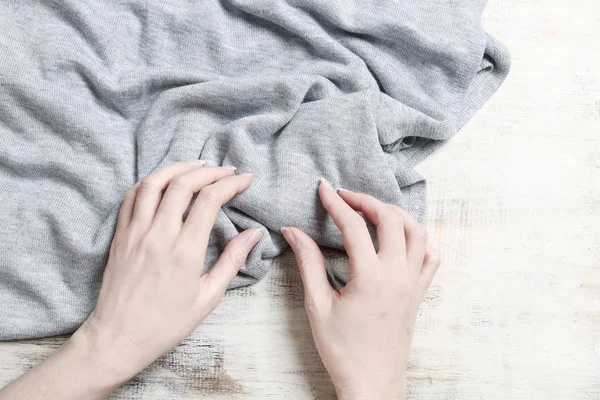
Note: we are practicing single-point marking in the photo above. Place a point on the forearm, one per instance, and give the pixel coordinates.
(75, 371)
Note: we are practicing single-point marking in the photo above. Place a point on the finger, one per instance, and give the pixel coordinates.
(231, 260)
(150, 191)
(317, 290)
(431, 263)
(179, 193)
(205, 210)
(390, 226)
(416, 239)
(126, 211)
(355, 234)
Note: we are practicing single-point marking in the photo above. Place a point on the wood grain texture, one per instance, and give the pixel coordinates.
(514, 205)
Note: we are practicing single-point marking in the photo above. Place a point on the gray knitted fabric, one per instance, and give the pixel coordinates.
(95, 95)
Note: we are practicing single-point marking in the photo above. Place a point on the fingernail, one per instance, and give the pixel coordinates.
(340, 190)
(326, 183)
(288, 235)
(231, 167)
(246, 175)
(257, 234)
(198, 162)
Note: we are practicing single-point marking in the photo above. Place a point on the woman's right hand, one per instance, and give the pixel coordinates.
(154, 292)
(364, 331)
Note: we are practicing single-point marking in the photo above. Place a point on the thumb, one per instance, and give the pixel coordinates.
(317, 290)
(232, 259)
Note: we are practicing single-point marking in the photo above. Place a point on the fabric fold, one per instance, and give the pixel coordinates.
(96, 95)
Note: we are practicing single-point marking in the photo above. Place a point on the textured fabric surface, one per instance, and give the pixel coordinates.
(96, 95)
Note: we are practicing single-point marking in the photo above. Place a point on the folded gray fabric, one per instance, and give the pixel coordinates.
(96, 95)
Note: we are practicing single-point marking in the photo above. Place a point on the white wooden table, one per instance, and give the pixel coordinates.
(514, 203)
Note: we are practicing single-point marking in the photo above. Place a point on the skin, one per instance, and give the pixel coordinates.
(154, 295)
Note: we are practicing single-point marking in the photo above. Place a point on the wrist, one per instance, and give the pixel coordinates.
(369, 391)
(371, 395)
(107, 357)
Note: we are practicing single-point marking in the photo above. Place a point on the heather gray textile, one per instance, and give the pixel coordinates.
(94, 95)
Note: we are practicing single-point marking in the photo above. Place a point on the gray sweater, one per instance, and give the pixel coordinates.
(94, 95)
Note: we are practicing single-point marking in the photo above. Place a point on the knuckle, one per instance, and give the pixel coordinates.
(396, 219)
(150, 245)
(303, 258)
(234, 260)
(376, 282)
(396, 209)
(180, 259)
(395, 215)
(180, 183)
(356, 223)
(148, 184)
(209, 196)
